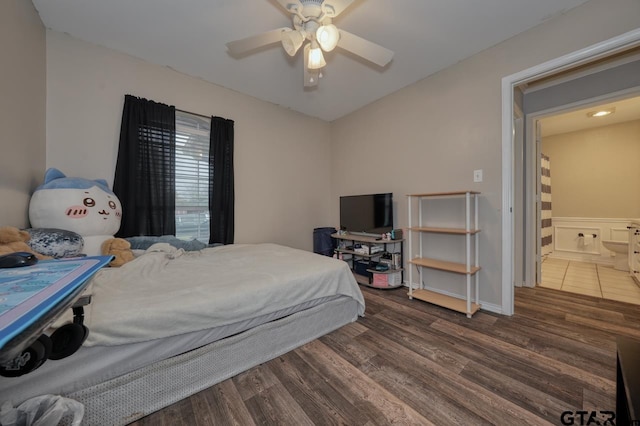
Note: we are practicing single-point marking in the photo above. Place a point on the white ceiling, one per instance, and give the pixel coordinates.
(625, 110)
(190, 35)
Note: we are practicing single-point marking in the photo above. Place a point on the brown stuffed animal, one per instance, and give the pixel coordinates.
(12, 240)
(118, 247)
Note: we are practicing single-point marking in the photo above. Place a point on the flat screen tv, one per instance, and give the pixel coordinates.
(370, 214)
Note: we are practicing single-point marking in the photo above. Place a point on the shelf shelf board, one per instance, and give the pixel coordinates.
(443, 230)
(363, 239)
(352, 252)
(359, 254)
(443, 194)
(449, 302)
(459, 268)
(388, 271)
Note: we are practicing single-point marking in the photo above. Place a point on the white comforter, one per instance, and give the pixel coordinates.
(170, 292)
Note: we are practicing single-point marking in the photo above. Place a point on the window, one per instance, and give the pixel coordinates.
(192, 176)
(159, 188)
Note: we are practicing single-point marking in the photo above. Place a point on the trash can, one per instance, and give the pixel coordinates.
(322, 242)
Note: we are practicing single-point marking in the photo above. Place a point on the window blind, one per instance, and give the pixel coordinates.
(192, 176)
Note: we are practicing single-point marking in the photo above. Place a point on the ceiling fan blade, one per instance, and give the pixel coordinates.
(338, 6)
(287, 4)
(311, 77)
(240, 47)
(370, 51)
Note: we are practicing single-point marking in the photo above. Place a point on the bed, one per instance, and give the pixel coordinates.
(171, 323)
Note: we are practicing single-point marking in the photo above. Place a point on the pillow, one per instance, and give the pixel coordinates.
(57, 243)
(143, 243)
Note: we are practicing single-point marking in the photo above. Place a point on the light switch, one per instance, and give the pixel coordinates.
(477, 175)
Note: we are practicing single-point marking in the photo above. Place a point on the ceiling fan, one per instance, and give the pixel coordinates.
(312, 24)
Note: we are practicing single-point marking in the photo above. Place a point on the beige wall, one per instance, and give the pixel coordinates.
(595, 172)
(429, 136)
(282, 158)
(437, 131)
(22, 108)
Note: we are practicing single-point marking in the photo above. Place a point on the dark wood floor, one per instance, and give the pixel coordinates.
(408, 362)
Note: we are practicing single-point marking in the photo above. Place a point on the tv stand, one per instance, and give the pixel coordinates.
(378, 237)
(369, 241)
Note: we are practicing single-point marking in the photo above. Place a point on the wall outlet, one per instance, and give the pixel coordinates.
(477, 175)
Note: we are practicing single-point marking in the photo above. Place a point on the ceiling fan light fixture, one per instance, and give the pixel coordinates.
(328, 36)
(316, 59)
(312, 21)
(291, 41)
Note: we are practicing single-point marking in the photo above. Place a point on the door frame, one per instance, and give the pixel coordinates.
(532, 201)
(583, 56)
(519, 195)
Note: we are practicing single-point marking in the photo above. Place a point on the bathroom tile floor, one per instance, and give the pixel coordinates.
(590, 279)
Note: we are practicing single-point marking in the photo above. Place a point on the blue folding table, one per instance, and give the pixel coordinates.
(33, 297)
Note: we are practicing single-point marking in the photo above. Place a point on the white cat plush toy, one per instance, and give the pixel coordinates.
(87, 207)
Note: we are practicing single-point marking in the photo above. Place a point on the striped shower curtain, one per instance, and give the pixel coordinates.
(545, 208)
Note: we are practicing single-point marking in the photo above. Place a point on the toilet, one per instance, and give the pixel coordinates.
(621, 249)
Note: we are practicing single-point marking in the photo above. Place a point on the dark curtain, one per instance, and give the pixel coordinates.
(221, 193)
(145, 170)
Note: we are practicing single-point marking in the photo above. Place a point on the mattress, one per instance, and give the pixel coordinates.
(168, 302)
(132, 396)
(170, 292)
(92, 365)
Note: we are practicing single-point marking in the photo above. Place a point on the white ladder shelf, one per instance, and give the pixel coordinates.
(470, 268)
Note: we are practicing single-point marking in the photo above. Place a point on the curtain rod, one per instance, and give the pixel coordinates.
(193, 113)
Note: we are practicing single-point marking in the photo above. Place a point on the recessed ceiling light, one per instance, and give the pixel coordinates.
(601, 113)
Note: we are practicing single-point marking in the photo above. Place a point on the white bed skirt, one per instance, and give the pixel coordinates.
(132, 396)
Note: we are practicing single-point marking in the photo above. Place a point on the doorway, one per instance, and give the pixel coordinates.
(590, 152)
(513, 255)
(584, 160)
